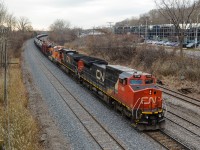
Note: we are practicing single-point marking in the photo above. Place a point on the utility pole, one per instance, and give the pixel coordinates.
(3, 34)
(110, 24)
(1, 46)
(5, 73)
(93, 29)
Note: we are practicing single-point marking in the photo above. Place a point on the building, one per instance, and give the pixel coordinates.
(165, 32)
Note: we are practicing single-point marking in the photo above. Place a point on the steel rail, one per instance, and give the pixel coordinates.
(181, 96)
(166, 140)
(183, 127)
(198, 126)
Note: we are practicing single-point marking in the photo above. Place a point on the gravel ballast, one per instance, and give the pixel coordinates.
(188, 112)
(49, 135)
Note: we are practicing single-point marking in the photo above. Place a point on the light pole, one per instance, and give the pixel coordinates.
(146, 31)
(139, 30)
(156, 32)
(110, 24)
(163, 32)
(170, 28)
(196, 39)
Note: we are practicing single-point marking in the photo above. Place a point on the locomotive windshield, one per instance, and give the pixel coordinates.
(135, 82)
(139, 81)
(149, 81)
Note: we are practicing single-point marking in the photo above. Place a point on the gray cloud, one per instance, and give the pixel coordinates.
(81, 13)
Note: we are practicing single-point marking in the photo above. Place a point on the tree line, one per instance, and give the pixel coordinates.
(13, 23)
(19, 29)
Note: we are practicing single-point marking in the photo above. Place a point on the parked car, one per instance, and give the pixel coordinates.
(176, 44)
(167, 44)
(185, 44)
(190, 45)
(161, 42)
(148, 41)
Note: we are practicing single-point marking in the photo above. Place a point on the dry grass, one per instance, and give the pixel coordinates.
(175, 83)
(23, 128)
(182, 68)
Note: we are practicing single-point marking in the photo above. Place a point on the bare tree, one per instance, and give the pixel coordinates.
(60, 25)
(61, 33)
(23, 24)
(11, 21)
(3, 12)
(180, 13)
(123, 23)
(144, 19)
(156, 18)
(133, 21)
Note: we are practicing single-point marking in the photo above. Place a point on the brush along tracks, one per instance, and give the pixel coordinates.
(93, 127)
(167, 141)
(182, 97)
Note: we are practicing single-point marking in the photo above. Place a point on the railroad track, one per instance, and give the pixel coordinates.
(183, 97)
(187, 121)
(188, 126)
(193, 124)
(167, 141)
(95, 129)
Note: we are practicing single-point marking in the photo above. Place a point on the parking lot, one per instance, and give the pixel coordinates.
(188, 45)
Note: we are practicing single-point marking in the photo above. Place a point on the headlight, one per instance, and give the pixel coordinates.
(147, 117)
(159, 115)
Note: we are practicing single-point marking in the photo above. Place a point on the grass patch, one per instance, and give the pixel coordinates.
(23, 128)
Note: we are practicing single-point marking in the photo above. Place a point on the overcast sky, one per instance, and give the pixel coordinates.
(80, 13)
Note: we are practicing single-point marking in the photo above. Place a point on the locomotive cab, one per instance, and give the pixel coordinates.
(56, 55)
(136, 95)
(139, 91)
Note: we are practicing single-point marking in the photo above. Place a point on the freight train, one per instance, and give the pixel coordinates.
(129, 91)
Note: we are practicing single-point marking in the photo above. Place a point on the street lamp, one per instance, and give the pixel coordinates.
(146, 30)
(139, 29)
(156, 32)
(163, 32)
(196, 39)
(170, 29)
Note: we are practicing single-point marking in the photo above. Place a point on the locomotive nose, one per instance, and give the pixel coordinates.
(151, 92)
(150, 99)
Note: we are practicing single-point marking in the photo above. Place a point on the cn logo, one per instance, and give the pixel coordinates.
(100, 76)
(148, 100)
